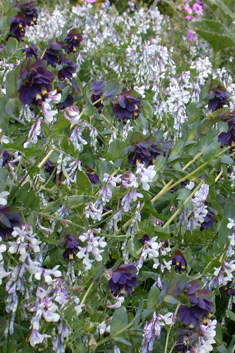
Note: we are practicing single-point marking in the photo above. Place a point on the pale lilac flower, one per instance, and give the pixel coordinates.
(3, 138)
(92, 249)
(34, 132)
(72, 114)
(207, 338)
(36, 337)
(3, 273)
(145, 175)
(129, 198)
(153, 330)
(223, 274)
(92, 211)
(119, 301)
(77, 139)
(54, 96)
(48, 112)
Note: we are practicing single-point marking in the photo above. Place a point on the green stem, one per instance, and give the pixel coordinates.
(87, 292)
(60, 219)
(45, 158)
(184, 204)
(106, 339)
(162, 192)
(169, 330)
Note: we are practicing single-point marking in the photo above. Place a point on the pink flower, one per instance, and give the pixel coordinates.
(90, 1)
(190, 35)
(188, 9)
(198, 8)
(188, 17)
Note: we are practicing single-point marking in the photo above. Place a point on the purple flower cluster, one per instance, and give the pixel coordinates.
(201, 304)
(123, 278)
(36, 82)
(27, 16)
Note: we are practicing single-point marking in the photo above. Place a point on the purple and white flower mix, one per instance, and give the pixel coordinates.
(101, 250)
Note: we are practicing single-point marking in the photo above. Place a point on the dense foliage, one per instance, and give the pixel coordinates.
(117, 177)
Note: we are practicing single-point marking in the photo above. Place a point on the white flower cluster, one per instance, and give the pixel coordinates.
(154, 249)
(207, 338)
(143, 177)
(93, 249)
(200, 209)
(223, 274)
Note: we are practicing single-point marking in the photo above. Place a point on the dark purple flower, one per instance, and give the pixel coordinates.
(217, 96)
(5, 156)
(36, 82)
(73, 40)
(144, 239)
(67, 102)
(201, 304)
(231, 291)
(98, 105)
(69, 68)
(71, 246)
(208, 221)
(127, 107)
(17, 28)
(228, 138)
(183, 342)
(123, 277)
(179, 261)
(30, 51)
(53, 53)
(30, 12)
(147, 150)
(9, 218)
(91, 174)
(51, 168)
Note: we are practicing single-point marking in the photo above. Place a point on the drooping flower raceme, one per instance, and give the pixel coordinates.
(152, 330)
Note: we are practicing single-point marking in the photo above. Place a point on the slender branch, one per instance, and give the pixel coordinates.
(182, 206)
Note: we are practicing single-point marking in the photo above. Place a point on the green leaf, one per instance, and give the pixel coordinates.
(215, 33)
(136, 136)
(115, 150)
(119, 321)
(231, 315)
(12, 45)
(111, 90)
(226, 159)
(171, 300)
(162, 233)
(147, 109)
(122, 340)
(3, 179)
(138, 313)
(11, 84)
(152, 297)
(231, 345)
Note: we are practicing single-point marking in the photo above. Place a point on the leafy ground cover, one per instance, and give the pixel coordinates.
(117, 201)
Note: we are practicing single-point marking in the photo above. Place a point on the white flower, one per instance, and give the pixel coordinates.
(72, 114)
(231, 223)
(3, 196)
(48, 113)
